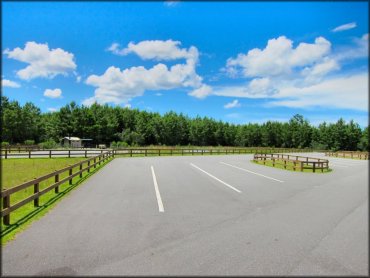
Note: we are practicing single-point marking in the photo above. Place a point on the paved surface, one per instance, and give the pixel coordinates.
(308, 224)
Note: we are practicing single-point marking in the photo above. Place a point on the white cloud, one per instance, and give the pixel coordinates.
(347, 92)
(310, 77)
(171, 3)
(9, 83)
(278, 57)
(78, 78)
(201, 92)
(157, 50)
(120, 86)
(359, 49)
(56, 93)
(344, 27)
(52, 109)
(233, 104)
(43, 62)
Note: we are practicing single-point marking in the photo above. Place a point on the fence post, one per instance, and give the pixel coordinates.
(36, 189)
(69, 153)
(202, 152)
(85, 153)
(284, 164)
(6, 153)
(88, 165)
(50, 154)
(6, 204)
(94, 162)
(159, 152)
(314, 167)
(70, 174)
(56, 180)
(131, 152)
(145, 152)
(192, 152)
(80, 170)
(29, 154)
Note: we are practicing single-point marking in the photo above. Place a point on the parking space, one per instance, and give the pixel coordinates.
(202, 215)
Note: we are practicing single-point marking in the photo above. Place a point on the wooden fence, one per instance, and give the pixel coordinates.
(349, 154)
(7, 193)
(299, 162)
(52, 153)
(199, 151)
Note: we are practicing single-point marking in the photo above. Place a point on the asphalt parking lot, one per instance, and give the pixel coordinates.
(202, 215)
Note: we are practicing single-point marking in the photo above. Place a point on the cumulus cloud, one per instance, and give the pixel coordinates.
(157, 50)
(9, 83)
(120, 86)
(233, 104)
(56, 93)
(43, 62)
(201, 92)
(345, 27)
(279, 57)
(310, 76)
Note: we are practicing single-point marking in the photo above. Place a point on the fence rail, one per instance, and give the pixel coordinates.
(199, 151)
(52, 153)
(349, 154)
(299, 162)
(7, 193)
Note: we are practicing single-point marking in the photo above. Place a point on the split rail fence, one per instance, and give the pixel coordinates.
(299, 162)
(7, 193)
(349, 154)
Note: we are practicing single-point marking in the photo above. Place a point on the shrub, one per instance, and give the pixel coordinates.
(29, 142)
(49, 144)
(122, 144)
(4, 144)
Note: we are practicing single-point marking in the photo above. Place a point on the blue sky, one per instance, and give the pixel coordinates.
(238, 62)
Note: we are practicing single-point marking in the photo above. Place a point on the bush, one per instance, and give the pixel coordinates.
(29, 142)
(122, 144)
(4, 144)
(113, 145)
(49, 144)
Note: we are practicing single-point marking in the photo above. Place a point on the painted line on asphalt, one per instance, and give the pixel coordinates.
(217, 179)
(267, 177)
(157, 194)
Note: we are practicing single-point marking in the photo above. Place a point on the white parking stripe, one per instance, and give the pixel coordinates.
(159, 199)
(228, 185)
(251, 172)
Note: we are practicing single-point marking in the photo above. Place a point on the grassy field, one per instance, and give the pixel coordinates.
(17, 171)
(289, 166)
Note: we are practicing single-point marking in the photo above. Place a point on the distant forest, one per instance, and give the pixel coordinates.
(130, 127)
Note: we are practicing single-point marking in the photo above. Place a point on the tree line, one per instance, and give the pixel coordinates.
(124, 126)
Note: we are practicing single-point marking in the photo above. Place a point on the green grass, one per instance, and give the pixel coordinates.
(290, 165)
(17, 171)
